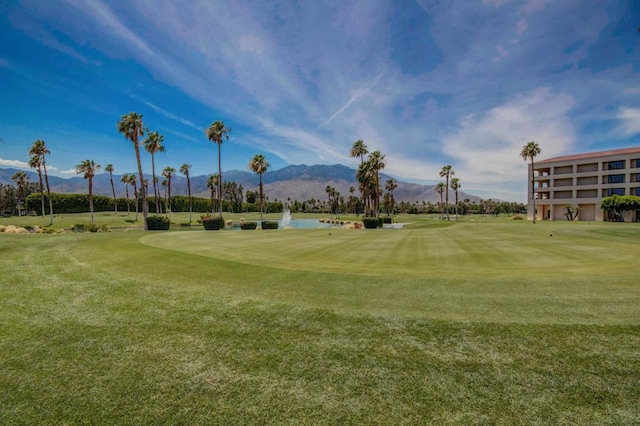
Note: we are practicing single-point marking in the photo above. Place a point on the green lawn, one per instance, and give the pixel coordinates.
(485, 321)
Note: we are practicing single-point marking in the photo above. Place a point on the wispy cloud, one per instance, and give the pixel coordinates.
(68, 172)
(630, 121)
(14, 163)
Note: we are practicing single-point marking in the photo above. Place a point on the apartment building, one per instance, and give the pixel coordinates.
(584, 180)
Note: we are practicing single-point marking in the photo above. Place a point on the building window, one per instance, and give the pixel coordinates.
(613, 191)
(615, 165)
(636, 191)
(615, 179)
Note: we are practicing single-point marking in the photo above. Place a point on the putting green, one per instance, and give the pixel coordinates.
(467, 249)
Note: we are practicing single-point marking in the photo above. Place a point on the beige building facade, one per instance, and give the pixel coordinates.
(583, 180)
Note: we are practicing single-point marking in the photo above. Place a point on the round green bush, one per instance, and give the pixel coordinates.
(248, 225)
(370, 222)
(158, 223)
(213, 223)
(269, 224)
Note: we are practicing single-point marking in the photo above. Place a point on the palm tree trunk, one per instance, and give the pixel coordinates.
(189, 190)
(261, 200)
(169, 201)
(126, 190)
(41, 189)
(155, 186)
(46, 180)
(91, 198)
(447, 196)
(145, 206)
(533, 191)
(113, 189)
(220, 177)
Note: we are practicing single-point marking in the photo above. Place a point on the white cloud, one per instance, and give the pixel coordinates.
(487, 146)
(502, 53)
(14, 163)
(522, 26)
(632, 91)
(251, 43)
(173, 116)
(630, 118)
(68, 172)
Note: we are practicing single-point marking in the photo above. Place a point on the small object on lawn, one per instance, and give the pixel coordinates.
(551, 235)
(329, 233)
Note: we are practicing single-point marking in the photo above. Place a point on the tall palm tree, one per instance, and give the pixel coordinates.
(125, 179)
(376, 159)
(259, 165)
(455, 185)
(440, 190)
(132, 127)
(390, 186)
(531, 151)
(22, 180)
(34, 162)
(447, 172)
(364, 176)
(212, 184)
(39, 148)
(153, 144)
(89, 169)
(359, 149)
(109, 168)
(184, 169)
(217, 133)
(168, 173)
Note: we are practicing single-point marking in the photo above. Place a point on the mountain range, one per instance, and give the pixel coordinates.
(297, 182)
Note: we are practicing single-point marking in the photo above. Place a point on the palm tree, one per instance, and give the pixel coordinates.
(132, 127)
(125, 179)
(455, 185)
(184, 169)
(34, 162)
(364, 177)
(168, 173)
(153, 144)
(447, 172)
(217, 133)
(390, 186)
(440, 190)
(212, 184)
(39, 148)
(259, 165)
(376, 159)
(89, 168)
(21, 179)
(134, 182)
(359, 149)
(531, 151)
(109, 168)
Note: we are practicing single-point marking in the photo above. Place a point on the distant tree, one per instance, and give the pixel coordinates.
(217, 133)
(212, 184)
(376, 159)
(109, 168)
(125, 179)
(169, 172)
(259, 165)
(21, 179)
(34, 163)
(359, 149)
(571, 211)
(134, 182)
(455, 185)
(132, 127)
(440, 187)
(529, 152)
(390, 186)
(154, 143)
(88, 169)
(446, 172)
(184, 169)
(39, 148)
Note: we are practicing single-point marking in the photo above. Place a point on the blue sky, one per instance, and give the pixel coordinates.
(466, 83)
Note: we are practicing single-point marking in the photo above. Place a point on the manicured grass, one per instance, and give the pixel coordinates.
(483, 321)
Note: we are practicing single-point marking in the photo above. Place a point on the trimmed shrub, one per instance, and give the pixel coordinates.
(370, 222)
(158, 223)
(269, 224)
(248, 225)
(517, 217)
(387, 219)
(213, 223)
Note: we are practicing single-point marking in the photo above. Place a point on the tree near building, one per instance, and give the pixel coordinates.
(217, 133)
(529, 152)
(571, 211)
(618, 205)
(132, 127)
(39, 148)
(185, 169)
(88, 169)
(259, 165)
(109, 168)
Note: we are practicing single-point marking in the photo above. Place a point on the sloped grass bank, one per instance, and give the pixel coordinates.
(101, 329)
